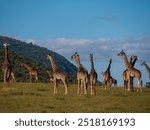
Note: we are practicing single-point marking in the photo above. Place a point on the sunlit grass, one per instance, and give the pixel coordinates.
(26, 97)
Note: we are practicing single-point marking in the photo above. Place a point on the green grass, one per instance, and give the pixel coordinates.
(26, 97)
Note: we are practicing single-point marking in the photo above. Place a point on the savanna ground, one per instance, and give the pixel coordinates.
(26, 97)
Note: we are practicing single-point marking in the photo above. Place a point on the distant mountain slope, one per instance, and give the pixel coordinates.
(22, 52)
(37, 54)
(20, 72)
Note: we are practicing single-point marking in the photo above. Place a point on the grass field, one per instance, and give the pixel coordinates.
(25, 97)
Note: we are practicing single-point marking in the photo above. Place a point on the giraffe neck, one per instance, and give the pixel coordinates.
(108, 68)
(92, 66)
(78, 62)
(133, 62)
(126, 62)
(147, 68)
(53, 64)
(6, 54)
(27, 67)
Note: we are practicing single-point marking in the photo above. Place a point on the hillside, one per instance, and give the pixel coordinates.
(35, 56)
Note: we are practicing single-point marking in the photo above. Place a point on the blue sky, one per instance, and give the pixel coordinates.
(101, 27)
(89, 19)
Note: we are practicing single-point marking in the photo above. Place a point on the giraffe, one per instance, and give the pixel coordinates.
(133, 59)
(131, 72)
(147, 68)
(93, 76)
(32, 72)
(7, 68)
(82, 74)
(106, 75)
(58, 74)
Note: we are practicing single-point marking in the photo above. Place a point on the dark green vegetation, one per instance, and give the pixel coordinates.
(25, 97)
(35, 56)
(21, 73)
(147, 85)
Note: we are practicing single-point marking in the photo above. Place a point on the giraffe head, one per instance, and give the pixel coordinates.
(122, 53)
(133, 57)
(143, 63)
(6, 44)
(49, 56)
(110, 60)
(91, 56)
(75, 56)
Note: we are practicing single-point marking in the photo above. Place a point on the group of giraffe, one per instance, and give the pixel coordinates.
(82, 73)
(7, 69)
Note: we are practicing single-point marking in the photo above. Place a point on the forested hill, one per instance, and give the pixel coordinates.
(35, 56)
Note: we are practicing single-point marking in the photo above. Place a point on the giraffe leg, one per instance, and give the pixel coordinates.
(104, 83)
(5, 80)
(139, 85)
(91, 88)
(55, 87)
(13, 77)
(36, 79)
(128, 86)
(125, 84)
(65, 85)
(66, 88)
(78, 89)
(94, 88)
(129, 83)
(84, 85)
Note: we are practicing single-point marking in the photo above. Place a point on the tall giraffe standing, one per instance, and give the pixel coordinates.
(107, 75)
(58, 74)
(147, 68)
(133, 59)
(93, 76)
(82, 74)
(7, 68)
(32, 72)
(131, 72)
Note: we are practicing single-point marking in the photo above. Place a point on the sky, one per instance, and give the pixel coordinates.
(101, 27)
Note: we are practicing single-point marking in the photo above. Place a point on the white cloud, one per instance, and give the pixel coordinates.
(101, 47)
